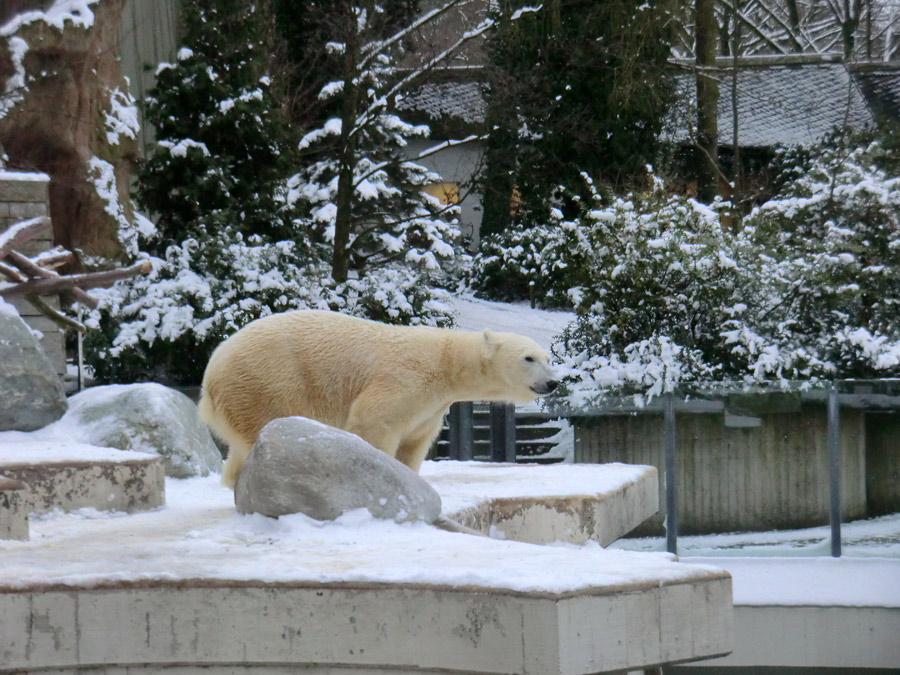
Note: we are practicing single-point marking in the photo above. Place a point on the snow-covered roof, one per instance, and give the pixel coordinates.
(796, 104)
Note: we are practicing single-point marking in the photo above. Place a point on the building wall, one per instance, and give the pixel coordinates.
(147, 37)
(774, 476)
(457, 165)
(24, 196)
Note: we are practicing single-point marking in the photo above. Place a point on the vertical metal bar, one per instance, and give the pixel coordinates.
(834, 470)
(671, 496)
(466, 424)
(503, 432)
(453, 432)
(79, 338)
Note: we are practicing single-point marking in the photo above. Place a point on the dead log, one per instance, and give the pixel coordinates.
(49, 286)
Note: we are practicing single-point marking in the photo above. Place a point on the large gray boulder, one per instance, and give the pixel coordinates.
(31, 393)
(298, 465)
(146, 418)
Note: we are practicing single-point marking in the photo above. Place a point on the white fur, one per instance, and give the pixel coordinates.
(389, 385)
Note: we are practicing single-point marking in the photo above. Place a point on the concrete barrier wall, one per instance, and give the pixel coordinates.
(773, 476)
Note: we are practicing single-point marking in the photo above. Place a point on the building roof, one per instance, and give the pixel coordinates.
(779, 101)
(462, 100)
(797, 104)
(880, 84)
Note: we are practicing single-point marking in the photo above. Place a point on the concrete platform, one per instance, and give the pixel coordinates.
(195, 587)
(559, 502)
(74, 476)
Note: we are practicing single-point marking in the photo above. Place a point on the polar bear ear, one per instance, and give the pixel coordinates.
(488, 343)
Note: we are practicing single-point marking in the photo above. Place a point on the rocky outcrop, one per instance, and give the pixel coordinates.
(298, 465)
(65, 110)
(31, 393)
(146, 418)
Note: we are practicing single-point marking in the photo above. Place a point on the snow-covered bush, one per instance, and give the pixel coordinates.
(163, 327)
(662, 283)
(834, 231)
(808, 288)
(542, 262)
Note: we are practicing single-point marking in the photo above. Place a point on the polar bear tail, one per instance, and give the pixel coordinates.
(238, 448)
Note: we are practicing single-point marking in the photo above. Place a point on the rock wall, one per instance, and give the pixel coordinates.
(65, 110)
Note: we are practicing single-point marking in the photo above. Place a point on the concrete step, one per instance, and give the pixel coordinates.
(74, 476)
(14, 502)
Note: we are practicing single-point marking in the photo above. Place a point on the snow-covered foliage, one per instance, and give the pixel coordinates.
(359, 193)
(163, 327)
(808, 288)
(661, 282)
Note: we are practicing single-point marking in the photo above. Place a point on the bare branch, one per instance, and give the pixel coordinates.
(54, 314)
(21, 233)
(91, 280)
(32, 269)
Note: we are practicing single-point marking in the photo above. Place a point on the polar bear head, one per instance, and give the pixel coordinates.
(519, 364)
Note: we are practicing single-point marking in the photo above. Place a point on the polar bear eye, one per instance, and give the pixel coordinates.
(529, 359)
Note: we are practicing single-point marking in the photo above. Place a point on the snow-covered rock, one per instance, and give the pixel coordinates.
(31, 393)
(301, 466)
(147, 418)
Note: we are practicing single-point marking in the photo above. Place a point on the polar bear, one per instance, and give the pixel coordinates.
(390, 385)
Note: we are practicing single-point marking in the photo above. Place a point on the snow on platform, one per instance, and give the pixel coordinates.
(196, 583)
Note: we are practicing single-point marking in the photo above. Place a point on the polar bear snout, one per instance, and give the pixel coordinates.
(545, 388)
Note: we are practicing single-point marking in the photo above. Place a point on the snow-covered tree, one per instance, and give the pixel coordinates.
(359, 190)
(221, 156)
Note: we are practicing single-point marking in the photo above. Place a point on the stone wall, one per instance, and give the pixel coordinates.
(24, 196)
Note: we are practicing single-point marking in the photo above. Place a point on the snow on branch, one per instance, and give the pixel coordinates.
(486, 25)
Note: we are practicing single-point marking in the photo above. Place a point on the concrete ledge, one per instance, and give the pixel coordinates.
(367, 628)
(130, 485)
(575, 503)
(14, 503)
(814, 637)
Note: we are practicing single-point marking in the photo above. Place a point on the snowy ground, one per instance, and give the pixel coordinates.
(874, 537)
(198, 534)
(540, 325)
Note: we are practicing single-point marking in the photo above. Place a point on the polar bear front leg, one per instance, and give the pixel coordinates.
(414, 449)
(377, 421)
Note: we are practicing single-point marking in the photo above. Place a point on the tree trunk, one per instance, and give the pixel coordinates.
(707, 150)
(340, 262)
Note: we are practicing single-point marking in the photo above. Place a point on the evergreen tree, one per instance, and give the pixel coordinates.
(221, 155)
(360, 195)
(582, 86)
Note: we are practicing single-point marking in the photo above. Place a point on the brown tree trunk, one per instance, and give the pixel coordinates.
(340, 262)
(707, 144)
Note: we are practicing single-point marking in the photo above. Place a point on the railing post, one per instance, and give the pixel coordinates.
(503, 432)
(459, 425)
(834, 470)
(671, 497)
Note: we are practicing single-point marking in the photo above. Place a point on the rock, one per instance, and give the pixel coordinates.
(31, 393)
(298, 465)
(146, 418)
(67, 119)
